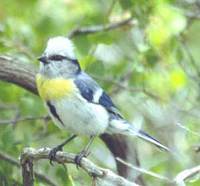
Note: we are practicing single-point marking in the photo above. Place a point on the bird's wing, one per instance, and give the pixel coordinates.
(93, 93)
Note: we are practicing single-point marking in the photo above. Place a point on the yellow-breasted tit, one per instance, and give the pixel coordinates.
(75, 101)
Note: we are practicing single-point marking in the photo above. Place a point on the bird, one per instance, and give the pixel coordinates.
(76, 102)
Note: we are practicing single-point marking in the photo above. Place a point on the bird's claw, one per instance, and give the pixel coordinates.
(52, 153)
(78, 158)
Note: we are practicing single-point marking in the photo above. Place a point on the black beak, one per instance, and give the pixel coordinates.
(43, 59)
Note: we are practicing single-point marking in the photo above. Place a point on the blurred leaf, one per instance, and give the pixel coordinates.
(177, 79)
(166, 22)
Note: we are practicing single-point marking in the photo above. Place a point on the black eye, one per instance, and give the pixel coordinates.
(57, 57)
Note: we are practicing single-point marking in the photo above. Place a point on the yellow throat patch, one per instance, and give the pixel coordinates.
(54, 89)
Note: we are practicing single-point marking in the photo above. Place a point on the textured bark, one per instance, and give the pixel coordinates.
(42, 177)
(27, 173)
(18, 73)
(100, 175)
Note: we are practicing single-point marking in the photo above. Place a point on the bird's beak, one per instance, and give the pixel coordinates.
(43, 59)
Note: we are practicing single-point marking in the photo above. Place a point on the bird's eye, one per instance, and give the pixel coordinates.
(57, 57)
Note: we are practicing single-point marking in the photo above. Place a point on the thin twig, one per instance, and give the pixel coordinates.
(189, 54)
(14, 162)
(192, 15)
(153, 174)
(102, 175)
(187, 129)
(27, 118)
(179, 179)
(6, 106)
(186, 174)
(110, 9)
(128, 88)
(102, 28)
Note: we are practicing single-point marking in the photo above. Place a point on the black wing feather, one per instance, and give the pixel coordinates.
(85, 91)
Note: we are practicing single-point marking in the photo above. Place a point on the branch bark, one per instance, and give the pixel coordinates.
(23, 75)
(27, 173)
(18, 73)
(14, 162)
(102, 176)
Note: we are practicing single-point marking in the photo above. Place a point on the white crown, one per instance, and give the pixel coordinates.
(60, 46)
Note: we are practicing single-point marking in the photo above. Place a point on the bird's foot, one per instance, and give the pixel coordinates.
(52, 153)
(78, 158)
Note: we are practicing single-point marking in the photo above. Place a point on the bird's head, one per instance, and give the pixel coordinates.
(59, 58)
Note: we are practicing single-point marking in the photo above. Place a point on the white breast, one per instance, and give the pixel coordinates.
(81, 117)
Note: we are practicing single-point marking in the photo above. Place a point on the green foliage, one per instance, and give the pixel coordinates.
(151, 70)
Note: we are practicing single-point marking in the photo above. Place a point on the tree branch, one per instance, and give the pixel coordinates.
(186, 174)
(178, 180)
(101, 175)
(153, 174)
(18, 73)
(27, 118)
(14, 162)
(101, 28)
(27, 173)
(23, 75)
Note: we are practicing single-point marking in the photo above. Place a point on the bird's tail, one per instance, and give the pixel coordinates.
(125, 128)
(143, 135)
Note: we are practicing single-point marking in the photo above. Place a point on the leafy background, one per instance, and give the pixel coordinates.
(150, 68)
